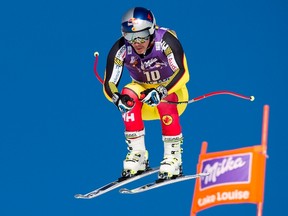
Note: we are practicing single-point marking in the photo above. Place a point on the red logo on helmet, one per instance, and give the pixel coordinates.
(149, 17)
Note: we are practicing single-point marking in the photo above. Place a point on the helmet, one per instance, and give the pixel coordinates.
(138, 22)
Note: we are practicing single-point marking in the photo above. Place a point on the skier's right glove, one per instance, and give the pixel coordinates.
(123, 102)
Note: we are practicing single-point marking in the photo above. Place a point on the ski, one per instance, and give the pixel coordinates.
(160, 183)
(115, 184)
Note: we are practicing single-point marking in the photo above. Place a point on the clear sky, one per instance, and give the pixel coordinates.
(60, 136)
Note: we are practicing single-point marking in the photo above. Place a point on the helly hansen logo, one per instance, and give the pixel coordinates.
(128, 117)
(232, 169)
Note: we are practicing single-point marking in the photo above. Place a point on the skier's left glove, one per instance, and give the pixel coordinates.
(153, 96)
(123, 102)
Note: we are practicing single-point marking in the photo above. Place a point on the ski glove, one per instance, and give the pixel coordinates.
(123, 102)
(153, 96)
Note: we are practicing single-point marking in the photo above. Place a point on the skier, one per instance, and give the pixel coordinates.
(156, 62)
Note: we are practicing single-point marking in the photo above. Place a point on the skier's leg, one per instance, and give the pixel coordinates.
(171, 165)
(137, 158)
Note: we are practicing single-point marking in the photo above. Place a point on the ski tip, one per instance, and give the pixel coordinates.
(124, 191)
(79, 196)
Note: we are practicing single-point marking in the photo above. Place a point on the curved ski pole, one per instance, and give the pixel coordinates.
(251, 98)
(96, 54)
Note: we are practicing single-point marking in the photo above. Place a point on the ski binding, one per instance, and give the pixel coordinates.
(160, 183)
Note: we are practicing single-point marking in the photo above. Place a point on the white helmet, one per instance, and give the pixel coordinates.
(138, 22)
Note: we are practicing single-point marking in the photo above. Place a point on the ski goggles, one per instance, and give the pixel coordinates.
(137, 37)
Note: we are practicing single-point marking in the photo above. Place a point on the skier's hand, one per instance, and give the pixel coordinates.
(123, 102)
(153, 96)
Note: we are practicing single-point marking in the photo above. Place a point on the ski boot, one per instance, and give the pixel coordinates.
(171, 165)
(136, 160)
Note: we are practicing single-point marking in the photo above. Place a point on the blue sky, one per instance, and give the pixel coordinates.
(60, 136)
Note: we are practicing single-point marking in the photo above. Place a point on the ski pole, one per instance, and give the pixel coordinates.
(210, 94)
(96, 54)
(251, 98)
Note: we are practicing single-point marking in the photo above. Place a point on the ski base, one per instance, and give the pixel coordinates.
(160, 183)
(115, 184)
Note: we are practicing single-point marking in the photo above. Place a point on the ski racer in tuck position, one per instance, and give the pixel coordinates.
(156, 62)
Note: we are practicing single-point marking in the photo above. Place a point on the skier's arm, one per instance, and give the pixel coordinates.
(114, 69)
(177, 61)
